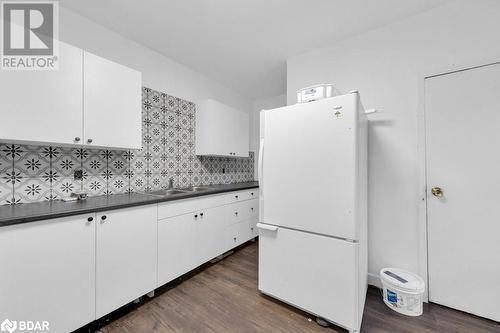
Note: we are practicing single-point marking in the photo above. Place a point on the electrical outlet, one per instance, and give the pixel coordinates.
(78, 174)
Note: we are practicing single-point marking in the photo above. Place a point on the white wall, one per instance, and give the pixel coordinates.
(386, 66)
(258, 105)
(158, 71)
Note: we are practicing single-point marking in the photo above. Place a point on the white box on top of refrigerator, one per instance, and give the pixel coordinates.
(315, 93)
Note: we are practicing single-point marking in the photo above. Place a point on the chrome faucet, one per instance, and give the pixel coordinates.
(170, 183)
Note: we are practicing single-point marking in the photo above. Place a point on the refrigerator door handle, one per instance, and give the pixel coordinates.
(260, 170)
(267, 227)
(261, 163)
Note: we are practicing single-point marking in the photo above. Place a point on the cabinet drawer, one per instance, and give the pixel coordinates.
(251, 194)
(179, 207)
(254, 231)
(238, 234)
(243, 195)
(310, 286)
(239, 211)
(253, 205)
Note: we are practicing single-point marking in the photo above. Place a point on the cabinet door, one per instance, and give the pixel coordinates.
(177, 246)
(241, 137)
(237, 234)
(211, 233)
(112, 104)
(237, 133)
(48, 272)
(126, 257)
(44, 106)
(221, 130)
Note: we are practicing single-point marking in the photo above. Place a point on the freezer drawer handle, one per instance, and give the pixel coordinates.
(267, 227)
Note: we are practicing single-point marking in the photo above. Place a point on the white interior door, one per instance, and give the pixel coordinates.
(309, 166)
(462, 113)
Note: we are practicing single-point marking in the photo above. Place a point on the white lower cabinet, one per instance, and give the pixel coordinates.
(70, 271)
(177, 246)
(210, 233)
(126, 250)
(189, 240)
(242, 220)
(203, 229)
(47, 272)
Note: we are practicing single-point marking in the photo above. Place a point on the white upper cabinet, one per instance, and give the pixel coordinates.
(112, 104)
(44, 106)
(88, 101)
(221, 130)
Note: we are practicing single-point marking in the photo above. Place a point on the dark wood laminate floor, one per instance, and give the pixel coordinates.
(224, 298)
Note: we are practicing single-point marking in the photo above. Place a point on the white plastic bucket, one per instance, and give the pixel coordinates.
(403, 291)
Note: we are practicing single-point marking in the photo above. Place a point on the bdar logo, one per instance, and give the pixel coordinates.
(24, 326)
(8, 326)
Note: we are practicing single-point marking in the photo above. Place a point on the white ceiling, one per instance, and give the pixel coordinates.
(243, 44)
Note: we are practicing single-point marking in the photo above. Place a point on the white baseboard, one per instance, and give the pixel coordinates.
(374, 280)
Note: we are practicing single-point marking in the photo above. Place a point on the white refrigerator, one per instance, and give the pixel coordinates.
(313, 207)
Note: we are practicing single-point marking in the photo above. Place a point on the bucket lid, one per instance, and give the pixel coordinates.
(405, 280)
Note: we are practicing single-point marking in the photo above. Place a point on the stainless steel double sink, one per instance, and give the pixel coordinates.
(177, 191)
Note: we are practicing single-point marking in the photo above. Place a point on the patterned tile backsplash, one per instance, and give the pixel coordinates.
(37, 173)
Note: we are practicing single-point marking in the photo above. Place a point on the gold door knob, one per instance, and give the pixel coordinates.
(437, 192)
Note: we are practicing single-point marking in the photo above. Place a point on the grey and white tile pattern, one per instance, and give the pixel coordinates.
(38, 173)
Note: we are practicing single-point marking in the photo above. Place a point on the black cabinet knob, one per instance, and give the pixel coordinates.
(201, 214)
(236, 213)
(251, 208)
(195, 216)
(77, 139)
(103, 217)
(90, 219)
(89, 140)
(251, 193)
(234, 239)
(236, 196)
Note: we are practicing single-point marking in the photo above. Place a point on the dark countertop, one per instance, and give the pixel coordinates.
(30, 212)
